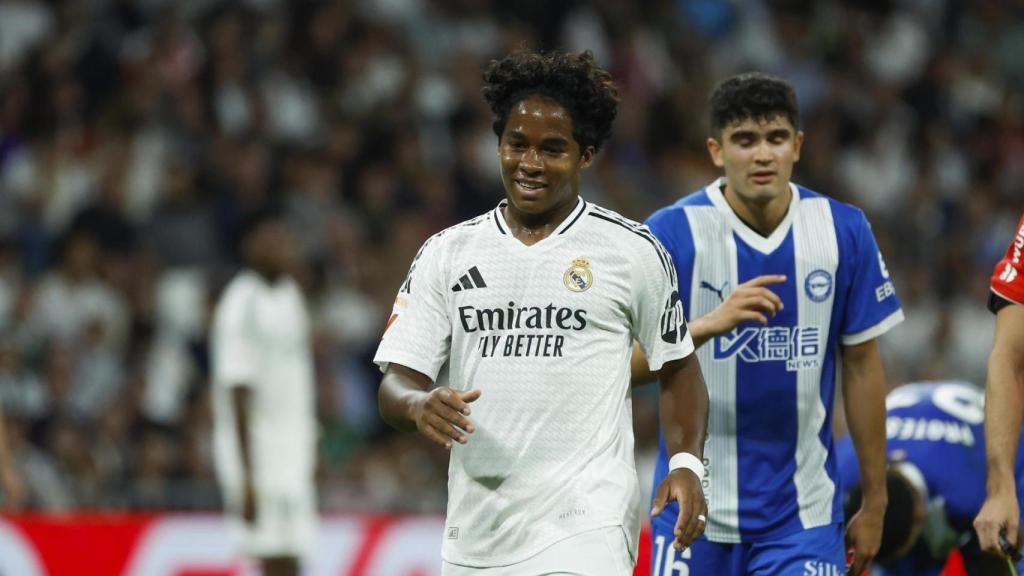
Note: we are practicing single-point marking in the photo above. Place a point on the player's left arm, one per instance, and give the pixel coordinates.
(683, 410)
(663, 337)
(864, 398)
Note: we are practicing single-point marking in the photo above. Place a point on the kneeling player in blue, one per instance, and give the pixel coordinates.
(785, 290)
(936, 480)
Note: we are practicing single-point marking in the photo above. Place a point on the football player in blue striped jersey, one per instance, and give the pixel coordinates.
(786, 292)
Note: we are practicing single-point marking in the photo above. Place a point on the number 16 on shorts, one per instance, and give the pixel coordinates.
(664, 562)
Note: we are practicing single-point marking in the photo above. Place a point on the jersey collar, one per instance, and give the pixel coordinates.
(765, 245)
(569, 223)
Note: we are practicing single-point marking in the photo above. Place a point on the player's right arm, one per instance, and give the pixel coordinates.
(752, 300)
(235, 367)
(415, 345)
(241, 400)
(407, 403)
(1004, 404)
(1004, 400)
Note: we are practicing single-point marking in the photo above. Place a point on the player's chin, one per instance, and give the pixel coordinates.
(764, 193)
(530, 203)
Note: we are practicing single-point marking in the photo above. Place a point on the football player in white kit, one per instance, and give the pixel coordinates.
(530, 308)
(263, 403)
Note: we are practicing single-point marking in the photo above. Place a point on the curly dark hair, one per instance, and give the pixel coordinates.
(575, 81)
(752, 95)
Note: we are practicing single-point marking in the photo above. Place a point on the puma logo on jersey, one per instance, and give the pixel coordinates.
(719, 291)
(470, 280)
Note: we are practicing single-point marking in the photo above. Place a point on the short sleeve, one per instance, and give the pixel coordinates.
(418, 333)
(1008, 276)
(235, 356)
(659, 322)
(872, 307)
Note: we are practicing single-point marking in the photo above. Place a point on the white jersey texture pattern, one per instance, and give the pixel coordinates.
(545, 333)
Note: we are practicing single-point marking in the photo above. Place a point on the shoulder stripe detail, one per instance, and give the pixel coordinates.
(644, 230)
(581, 212)
(474, 221)
(649, 238)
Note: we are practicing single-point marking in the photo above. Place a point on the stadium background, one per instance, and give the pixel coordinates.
(135, 134)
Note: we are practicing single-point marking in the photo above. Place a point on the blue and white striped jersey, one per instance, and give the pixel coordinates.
(769, 458)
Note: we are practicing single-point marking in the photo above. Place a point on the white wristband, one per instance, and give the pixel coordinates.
(688, 461)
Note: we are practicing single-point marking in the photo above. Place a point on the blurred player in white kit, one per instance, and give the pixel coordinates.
(263, 401)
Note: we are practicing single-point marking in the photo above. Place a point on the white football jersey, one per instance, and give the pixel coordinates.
(545, 333)
(260, 339)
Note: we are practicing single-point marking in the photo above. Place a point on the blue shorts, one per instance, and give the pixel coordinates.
(815, 552)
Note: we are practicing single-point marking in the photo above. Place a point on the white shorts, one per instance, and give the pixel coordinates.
(600, 552)
(285, 525)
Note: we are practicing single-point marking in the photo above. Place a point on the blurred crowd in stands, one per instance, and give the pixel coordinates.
(135, 135)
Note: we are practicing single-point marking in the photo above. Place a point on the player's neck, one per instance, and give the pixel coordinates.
(532, 228)
(761, 217)
(267, 274)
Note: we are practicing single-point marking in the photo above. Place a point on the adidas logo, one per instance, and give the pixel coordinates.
(470, 280)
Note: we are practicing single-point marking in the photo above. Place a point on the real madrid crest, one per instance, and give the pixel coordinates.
(578, 277)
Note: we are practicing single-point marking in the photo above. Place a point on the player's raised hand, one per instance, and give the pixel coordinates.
(443, 415)
(999, 514)
(749, 301)
(683, 486)
(863, 539)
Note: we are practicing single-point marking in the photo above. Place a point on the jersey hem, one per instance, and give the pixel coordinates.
(1007, 298)
(511, 560)
(875, 331)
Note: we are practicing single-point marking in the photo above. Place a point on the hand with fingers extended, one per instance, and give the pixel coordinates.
(683, 486)
(1000, 515)
(863, 539)
(443, 415)
(751, 300)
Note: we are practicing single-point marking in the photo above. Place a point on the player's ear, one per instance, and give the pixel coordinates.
(798, 142)
(586, 157)
(715, 150)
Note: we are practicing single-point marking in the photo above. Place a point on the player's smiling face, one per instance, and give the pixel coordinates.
(758, 157)
(540, 158)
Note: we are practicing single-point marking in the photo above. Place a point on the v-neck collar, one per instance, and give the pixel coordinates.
(566, 224)
(763, 244)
